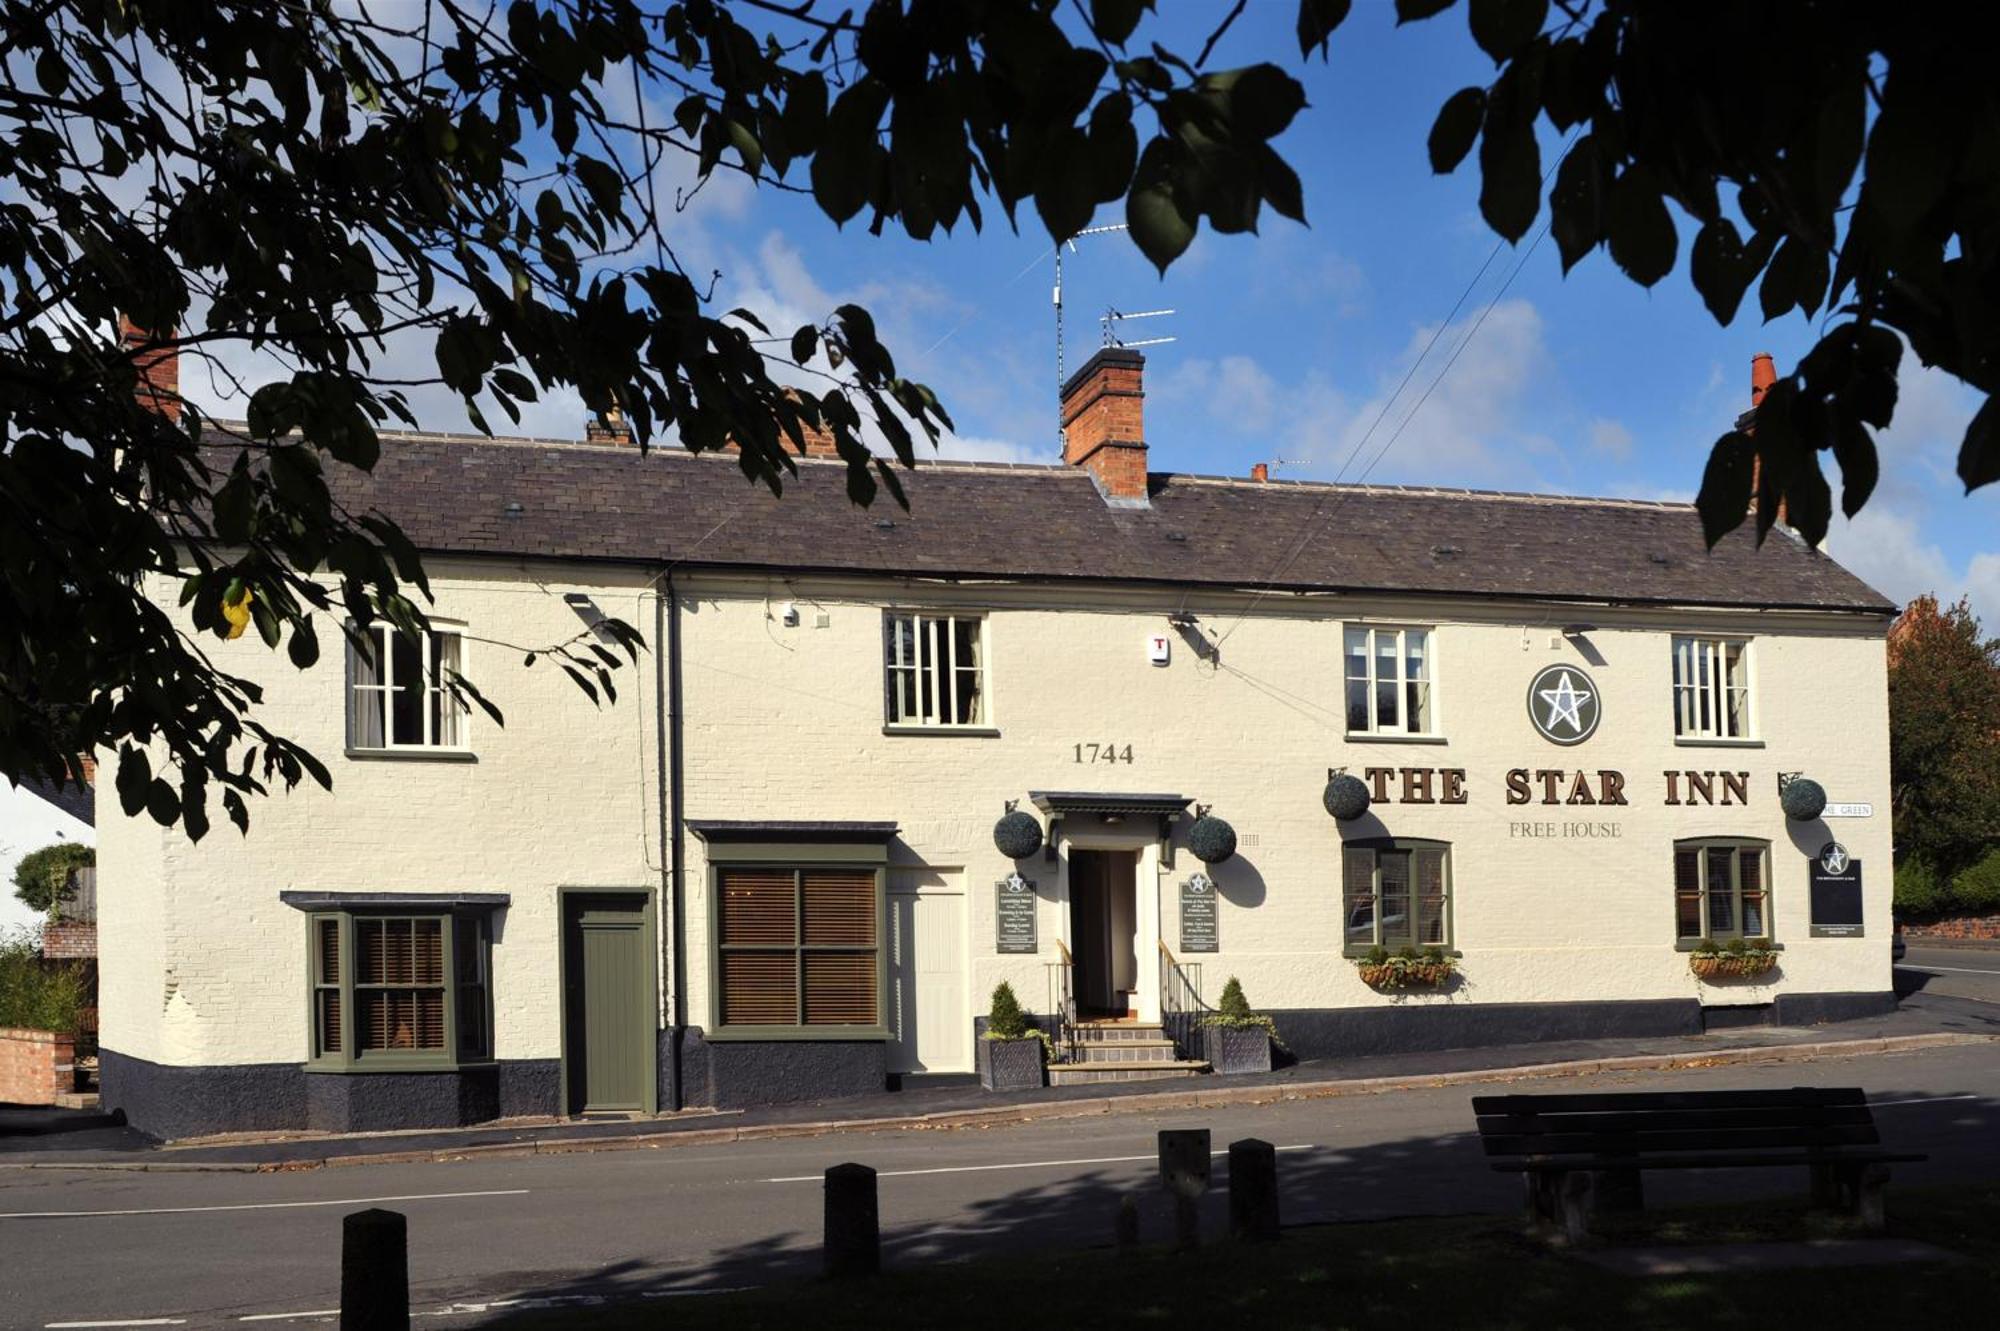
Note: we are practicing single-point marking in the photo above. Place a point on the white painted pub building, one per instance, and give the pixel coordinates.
(769, 872)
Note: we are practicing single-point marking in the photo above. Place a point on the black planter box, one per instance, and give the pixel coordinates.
(1237, 1048)
(1010, 1065)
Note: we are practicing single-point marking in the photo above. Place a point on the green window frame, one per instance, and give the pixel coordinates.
(399, 990)
(1722, 889)
(1396, 892)
(796, 951)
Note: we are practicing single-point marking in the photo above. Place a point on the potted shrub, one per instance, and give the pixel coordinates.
(1234, 1038)
(1411, 968)
(1737, 959)
(1010, 1050)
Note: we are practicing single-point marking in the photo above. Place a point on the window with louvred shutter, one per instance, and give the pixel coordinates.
(798, 947)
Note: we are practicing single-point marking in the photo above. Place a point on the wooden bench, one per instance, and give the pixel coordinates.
(1580, 1153)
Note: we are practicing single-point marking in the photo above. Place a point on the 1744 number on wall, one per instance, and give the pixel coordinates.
(1103, 753)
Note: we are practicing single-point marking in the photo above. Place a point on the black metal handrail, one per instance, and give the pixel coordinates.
(1182, 1008)
(1062, 1004)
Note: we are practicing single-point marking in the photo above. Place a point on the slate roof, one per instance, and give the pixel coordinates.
(79, 802)
(529, 498)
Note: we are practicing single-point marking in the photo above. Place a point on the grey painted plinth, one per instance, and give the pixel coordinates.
(1010, 1065)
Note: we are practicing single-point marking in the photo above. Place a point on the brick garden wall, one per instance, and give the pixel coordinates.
(1971, 926)
(35, 1066)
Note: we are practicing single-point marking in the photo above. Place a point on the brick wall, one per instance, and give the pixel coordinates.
(35, 1066)
(1971, 926)
(68, 940)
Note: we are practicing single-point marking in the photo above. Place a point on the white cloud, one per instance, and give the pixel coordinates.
(1610, 437)
(1885, 548)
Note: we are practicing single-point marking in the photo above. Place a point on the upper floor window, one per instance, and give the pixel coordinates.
(1389, 674)
(1395, 894)
(396, 696)
(934, 669)
(1711, 688)
(1721, 889)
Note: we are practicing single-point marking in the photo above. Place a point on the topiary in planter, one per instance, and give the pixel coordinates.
(1211, 840)
(1234, 1037)
(1804, 799)
(1017, 834)
(1010, 1055)
(1346, 797)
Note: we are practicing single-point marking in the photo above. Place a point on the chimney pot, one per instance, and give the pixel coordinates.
(1260, 471)
(613, 429)
(1763, 373)
(158, 387)
(1104, 423)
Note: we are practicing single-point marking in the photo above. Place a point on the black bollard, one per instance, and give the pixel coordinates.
(374, 1272)
(1253, 1190)
(853, 1223)
(1184, 1169)
(1126, 1226)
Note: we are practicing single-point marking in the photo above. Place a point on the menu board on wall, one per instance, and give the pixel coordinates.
(1198, 915)
(1836, 893)
(1014, 915)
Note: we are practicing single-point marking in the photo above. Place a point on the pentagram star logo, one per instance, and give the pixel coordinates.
(1833, 858)
(1563, 704)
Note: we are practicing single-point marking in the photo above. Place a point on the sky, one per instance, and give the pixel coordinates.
(1290, 346)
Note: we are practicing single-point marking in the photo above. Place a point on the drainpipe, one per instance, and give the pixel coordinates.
(669, 737)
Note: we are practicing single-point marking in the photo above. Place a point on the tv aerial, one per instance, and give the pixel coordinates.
(1109, 323)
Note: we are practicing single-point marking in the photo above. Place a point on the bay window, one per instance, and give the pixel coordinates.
(1395, 893)
(400, 990)
(1721, 889)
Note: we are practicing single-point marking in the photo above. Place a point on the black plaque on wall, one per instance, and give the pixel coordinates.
(1197, 915)
(1836, 893)
(1014, 915)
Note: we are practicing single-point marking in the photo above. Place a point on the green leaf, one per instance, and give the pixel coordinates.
(1643, 241)
(1317, 20)
(1158, 225)
(1979, 455)
(1808, 501)
(1724, 500)
(1502, 27)
(1280, 184)
(1720, 269)
(804, 342)
(1576, 204)
(1409, 11)
(1456, 129)
(1510, 166)
(1114, 20)
(1854, 450)
(1910, 161)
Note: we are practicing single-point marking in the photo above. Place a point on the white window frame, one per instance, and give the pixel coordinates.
(1374, 730)
(937, 700)
(1706, 656)
(386, 684)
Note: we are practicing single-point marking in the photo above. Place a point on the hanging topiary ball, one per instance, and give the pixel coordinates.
(1346, 797)
(1017, 834)
(1804, 799)
(1211, 840)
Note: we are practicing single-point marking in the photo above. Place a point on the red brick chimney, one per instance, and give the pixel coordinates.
(159, 383)
(1763, 373)
(613, 429)
(1260, 471)
(819, 442)
(1104, 423)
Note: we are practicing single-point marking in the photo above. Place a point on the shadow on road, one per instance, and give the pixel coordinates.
(1417, 1176)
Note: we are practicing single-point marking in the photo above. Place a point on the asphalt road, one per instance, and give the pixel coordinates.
(98, 1248)
(1952, 972)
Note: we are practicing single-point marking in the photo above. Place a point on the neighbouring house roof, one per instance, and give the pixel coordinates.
(79, 802)
(535, 498)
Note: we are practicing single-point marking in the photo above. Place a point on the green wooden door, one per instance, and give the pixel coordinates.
(608, 979)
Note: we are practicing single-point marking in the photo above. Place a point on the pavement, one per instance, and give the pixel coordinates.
(1938, 1003)
(490, 1235)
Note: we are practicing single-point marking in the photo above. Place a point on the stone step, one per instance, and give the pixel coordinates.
(1114, 1032)
(1125, 1051)
(1086, 1074)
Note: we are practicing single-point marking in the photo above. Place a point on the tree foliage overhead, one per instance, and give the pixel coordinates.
(1843, 159)
(1944, 736)
(461, 193)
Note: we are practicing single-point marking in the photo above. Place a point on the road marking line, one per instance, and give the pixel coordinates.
(135, 1321)
(1954, 970)
(1919, 1100)
(246, 1206)
(1024, 1164)
(286, 1317)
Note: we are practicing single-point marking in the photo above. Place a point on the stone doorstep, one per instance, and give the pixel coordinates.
(1125, 1051)
(1728, 1258)
(1123, 1033)
(1087, 1074)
